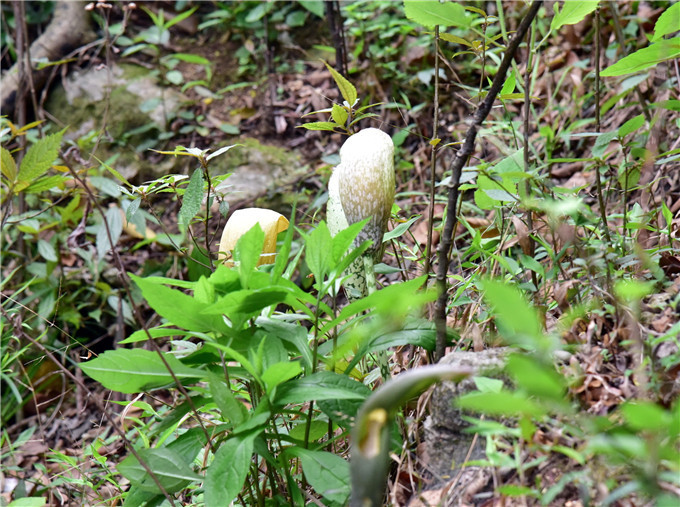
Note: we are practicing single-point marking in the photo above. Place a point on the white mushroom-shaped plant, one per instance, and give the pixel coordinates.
(362, 187)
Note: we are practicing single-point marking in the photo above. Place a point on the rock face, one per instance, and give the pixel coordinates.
(447, 444)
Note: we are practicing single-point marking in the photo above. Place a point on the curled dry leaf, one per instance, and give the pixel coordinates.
(241, 221)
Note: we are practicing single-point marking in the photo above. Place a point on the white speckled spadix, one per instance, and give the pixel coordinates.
(362, 186)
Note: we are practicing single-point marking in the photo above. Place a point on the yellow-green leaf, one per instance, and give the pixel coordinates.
(349, 93)
(9, 166)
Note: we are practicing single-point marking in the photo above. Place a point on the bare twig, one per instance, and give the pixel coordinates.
(433, 153)
(456, 168)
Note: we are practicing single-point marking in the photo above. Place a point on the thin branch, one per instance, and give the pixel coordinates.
(457, 164)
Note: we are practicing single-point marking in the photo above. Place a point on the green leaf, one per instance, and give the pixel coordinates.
(631, 125)
(136, 370)
(232, 410)
(40, 157)
(400, 229)
(339, 114)
(509, 84)
(349, 93)
(114, 221)
(644, 58)
(572, 12)
(319, 251)
(343, 411)
(645, 416)
(8, 165)
(247, 252)
(168, 466)
(44, 183)
(633, 290)
(314, 6)
(46, 250)
(327, 473)
(178, 308)
(455, 39)
(506, 403)
(227, 473)
(323, 385)
(514, 315)
(535, 378)
(193, 198)
(280, 372)
(320, 125)
(668, 22)
(431, 12)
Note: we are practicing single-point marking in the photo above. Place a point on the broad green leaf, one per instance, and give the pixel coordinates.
(280, 372)
(136, 370)
(178, 308)
(327, 473)
(47, 251)
(320, 125)
(45, 183)
(631, 125)
(247, 252)
(514, 315)
(193, 198)
(339, 114)
(572, 12)
(536, 378)
(454, 38)
(319, 251)
(40, 157)
(28, 501)
(644, 58)
(668, 22)
(114, 221)
(509, 84)
(430, 13)
(645, 415)
(506, 403)
(232, 409)
(343, 411)
(169, 467)
(633, 290)
(8, 165)
(323, 385)
(227, 473)
(314, 6)
(349, 93)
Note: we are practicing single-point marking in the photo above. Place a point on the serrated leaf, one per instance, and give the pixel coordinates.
(45, 183)
(193, 198)
(40, 157)
(136, 370)
(347, 90)
(339, 114)
(455, 39)
(8, 165)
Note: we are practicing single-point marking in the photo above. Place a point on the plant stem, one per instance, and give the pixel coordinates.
(446, 242)
(433, 153)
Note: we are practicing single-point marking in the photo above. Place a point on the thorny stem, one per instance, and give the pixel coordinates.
(457, 164)
(433, 153)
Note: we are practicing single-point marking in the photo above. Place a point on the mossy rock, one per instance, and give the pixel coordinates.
(130, 103)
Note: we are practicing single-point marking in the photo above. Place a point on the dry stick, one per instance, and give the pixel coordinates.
(598, 181)
(335, 24)
(527, 108)
(446, 242)
(433, 153)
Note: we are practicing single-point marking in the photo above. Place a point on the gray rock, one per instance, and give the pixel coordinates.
(446, 443)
